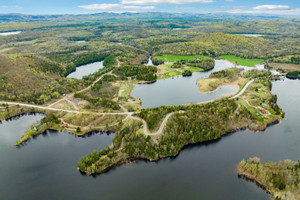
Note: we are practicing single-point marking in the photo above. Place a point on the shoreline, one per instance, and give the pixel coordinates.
(249, 177)
(231, 84)
(129, 159)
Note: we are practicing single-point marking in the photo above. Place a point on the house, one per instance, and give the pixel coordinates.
(263, 111)
(36, 128)
(65, 125)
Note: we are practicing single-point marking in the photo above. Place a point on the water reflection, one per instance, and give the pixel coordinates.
(85, 70)
(183, 90)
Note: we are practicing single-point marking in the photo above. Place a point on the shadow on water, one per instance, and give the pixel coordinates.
(23, 114)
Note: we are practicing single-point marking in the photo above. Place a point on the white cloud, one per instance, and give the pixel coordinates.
(268, 9)
(272, 7)
(115, 7)
(163, 2)
(12, 7)
(269, 12)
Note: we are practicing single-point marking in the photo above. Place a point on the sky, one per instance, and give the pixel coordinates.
(256, 7)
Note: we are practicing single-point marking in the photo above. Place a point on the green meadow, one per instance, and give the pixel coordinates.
(175, 58)
(242, 61)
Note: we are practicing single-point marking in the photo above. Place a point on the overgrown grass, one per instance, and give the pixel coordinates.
(175, 58)
(195, 69)
(171, 74)
(242, 61)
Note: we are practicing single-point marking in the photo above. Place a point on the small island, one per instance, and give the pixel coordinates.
(281, 180)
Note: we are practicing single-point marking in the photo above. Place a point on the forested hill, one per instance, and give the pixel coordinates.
(49, 47)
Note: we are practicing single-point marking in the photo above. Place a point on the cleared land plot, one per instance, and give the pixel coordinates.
(242, 61)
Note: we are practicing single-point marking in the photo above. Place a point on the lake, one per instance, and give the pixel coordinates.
(85, 70)
(183, 90)
(251, 34)
(80, 41)
(45, 168)
(10, 33)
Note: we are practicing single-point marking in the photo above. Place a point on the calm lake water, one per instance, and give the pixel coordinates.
(85, 70)
(45, 168)
(80, 41)
(10, 33)
(252, 34)
(182, 90)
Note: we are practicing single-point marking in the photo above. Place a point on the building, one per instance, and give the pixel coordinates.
(263, 111)
(36, 128)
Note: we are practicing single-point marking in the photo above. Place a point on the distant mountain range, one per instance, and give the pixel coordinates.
(15, 17)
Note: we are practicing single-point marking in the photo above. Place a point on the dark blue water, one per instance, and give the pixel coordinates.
(45, 168)
(182, 90)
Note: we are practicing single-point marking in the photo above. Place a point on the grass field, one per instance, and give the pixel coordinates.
(171, 74)
(167, 72)
(175, 58)
(195, 69)
(242, 61)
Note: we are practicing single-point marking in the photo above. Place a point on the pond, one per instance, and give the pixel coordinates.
(85, 70)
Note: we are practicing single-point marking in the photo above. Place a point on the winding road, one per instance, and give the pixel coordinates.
(63, 110)
(243, 90)
(129, 114)
(145, 125)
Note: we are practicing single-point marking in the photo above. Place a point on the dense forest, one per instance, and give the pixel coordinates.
(189, 124)
(143, 73)
(49, 50)
(34, 65)
(281, 180)
(205, 64)
(293, 75)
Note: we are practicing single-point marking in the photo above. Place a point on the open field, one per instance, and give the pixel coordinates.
(171, 74)
(175, 58)
(242, 61)
(285, 66)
